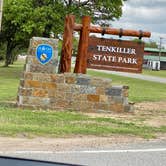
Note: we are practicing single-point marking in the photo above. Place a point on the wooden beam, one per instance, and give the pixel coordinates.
(67, 46)
(81, 60)
(114, 31)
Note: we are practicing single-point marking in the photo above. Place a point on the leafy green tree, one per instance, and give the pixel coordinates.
(23, 19)
(98, 9)
(151, 44)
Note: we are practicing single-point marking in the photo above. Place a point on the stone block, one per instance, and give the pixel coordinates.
(61, 104)
(25, 91)
(40, 93)
(69, 96)
(101, 107)
(48, 85)
(60, 95)
(86, 106)
(74, 105)
(38, 101)
(82, 81)
(63, 88)
(128, 108)
(117, 107)
(51, 93)
(104, 98)
(79, 97)
(32, 84)
(114, 91)
(97, 82)
(75, 89)
(41, 77)
(87, 90)
(93, 98)
(23, 100)
(100, 91)
(70, 80)
(117, 99)
(57, 78)
(28, 76)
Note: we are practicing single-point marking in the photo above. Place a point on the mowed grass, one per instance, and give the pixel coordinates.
(15, 122)
(160, 73)
(30, 123)
(139, 90)
(9, 81)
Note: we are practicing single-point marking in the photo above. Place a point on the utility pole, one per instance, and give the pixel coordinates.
(1, 6)
(160, 48)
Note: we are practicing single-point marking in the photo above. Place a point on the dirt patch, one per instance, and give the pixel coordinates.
(61, 144)
(148, 106)
(146, 113)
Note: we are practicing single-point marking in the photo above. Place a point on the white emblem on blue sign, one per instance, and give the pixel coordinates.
(44, 53)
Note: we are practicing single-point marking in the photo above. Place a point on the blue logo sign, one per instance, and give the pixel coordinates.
(44, 53)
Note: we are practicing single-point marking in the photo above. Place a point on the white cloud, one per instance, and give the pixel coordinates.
(147, 3)
(147, 15)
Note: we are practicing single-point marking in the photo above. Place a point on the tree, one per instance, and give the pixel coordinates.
(100, 11)
(23, 19)
(151, 44)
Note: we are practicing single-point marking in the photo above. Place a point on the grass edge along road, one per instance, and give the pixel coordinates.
(160, 73)
(15, 122)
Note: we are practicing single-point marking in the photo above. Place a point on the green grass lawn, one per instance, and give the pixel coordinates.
(9, 81)
(15, 122)
(160, 73)
(139, 90)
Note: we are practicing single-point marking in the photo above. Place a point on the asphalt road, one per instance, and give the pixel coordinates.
(133, 75)
(140, 154)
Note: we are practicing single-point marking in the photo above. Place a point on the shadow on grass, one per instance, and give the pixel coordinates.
(8, 104)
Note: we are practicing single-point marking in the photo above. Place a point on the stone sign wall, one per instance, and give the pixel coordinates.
(34, 64)
(71, 92)
(41, 87)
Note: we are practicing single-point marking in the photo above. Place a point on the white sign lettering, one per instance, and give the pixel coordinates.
(121, 50)
(109, 58)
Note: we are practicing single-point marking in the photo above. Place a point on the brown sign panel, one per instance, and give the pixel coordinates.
(118, 55)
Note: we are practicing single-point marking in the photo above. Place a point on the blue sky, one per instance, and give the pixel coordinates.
(147, 15)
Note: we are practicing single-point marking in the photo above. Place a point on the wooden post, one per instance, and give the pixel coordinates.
(67, 46)
(114, 31)
(81, 60)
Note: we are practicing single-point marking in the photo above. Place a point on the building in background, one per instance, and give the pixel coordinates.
(153, 59)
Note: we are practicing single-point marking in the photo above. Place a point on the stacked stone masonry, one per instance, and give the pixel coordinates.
(33, 65)
(68, 91)
(42, 88)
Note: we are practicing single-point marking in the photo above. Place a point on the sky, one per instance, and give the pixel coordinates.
(146, 15)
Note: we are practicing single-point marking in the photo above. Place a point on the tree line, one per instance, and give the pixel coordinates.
(24, 19)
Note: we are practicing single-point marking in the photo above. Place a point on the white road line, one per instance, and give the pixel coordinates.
(86, 151)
